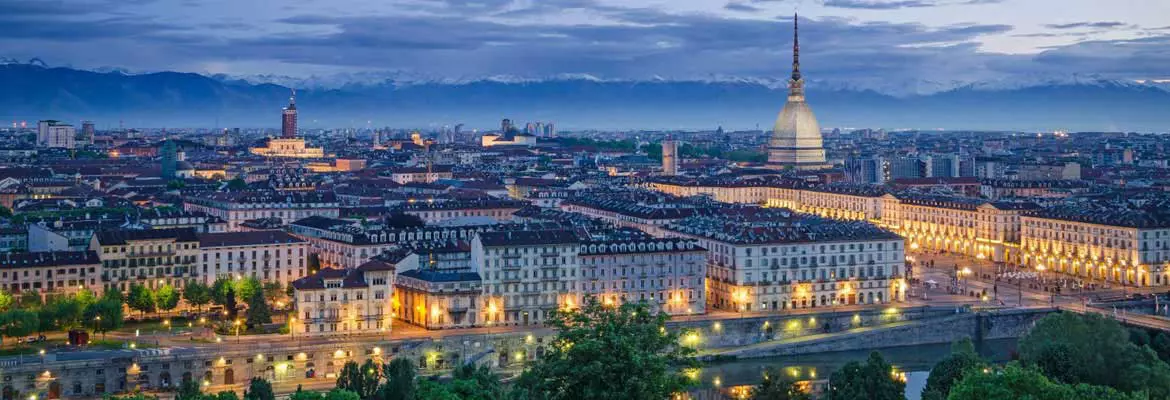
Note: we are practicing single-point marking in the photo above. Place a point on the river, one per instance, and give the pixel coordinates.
(732, 379)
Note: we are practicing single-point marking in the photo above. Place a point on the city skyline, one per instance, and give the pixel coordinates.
(861, 43)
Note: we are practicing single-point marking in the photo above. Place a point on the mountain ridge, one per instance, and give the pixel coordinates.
(573, 101)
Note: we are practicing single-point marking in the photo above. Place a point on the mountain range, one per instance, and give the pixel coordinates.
(35, 91)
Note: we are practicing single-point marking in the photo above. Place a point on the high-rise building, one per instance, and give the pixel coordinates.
(943, 166)
(87, 131)
(907, 167)
(288, 125)
(169, 160)
(867, 170)
(669, 157)
(796, 138)
(57, 134)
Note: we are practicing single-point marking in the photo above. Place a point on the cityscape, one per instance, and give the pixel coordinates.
(300, 244)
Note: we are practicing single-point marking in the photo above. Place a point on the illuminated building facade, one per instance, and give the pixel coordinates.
(668, 274)
(345, 301)
(775, 259)
(975, 228)
(1103, 242)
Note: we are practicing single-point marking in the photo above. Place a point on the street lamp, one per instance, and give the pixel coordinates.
(966, 272)
(237, 324)
(97, 322)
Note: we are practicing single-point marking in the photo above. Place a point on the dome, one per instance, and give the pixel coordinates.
(796, 126)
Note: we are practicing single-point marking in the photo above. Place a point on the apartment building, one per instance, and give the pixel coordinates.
(270, 256)
(152, 257)
(345, 301)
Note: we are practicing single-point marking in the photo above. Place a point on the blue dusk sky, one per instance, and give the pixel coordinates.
(842, 40)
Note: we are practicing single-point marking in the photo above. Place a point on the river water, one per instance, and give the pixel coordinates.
(733, 379)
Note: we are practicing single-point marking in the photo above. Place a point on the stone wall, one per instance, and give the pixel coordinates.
(986, 325)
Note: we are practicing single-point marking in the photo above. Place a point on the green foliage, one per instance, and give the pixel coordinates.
(110, 311)
(777, 386)
(5, 212)
(220, 290)
(475, 383)
(1016, 382)
(362, 379)
(140, 299)
(258, 312)
(401, 220)
(273, 291)
(167, 298)
(341, 394)
(6, 301)
(248, 287)
(873, 380)
(433, 390)
(190, 390)
(597, 346)
(61, 312)
(134, 396)
(226, 395)
(1161, 346)
(18, 322)
(259, 389)
(197, 294)
(949, 370)
(1074, 348)
(237, 184)
(302, 394)
(399, 381)
(313, 262)
(30, 300)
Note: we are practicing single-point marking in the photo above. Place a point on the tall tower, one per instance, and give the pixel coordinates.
(796, 141)
(669, 156)
(288, 124)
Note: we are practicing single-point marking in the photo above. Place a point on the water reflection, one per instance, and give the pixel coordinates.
(734, 379)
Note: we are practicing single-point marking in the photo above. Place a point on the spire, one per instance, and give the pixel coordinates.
(795, 48)
(293, 99)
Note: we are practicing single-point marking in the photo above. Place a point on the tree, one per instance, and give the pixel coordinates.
(302, 394)
(341, 394)
(85, 297)
(190, 390)
(777, 386)
(6, 301)
(273, 291)
(399, 383)
(1016, 382)
(18, 322)
(258, 312)
(401, 220)
(949, 370)
(598, 345)
(362, 380)
(259, 389)
(166, 297)
(220, 289)
(873, 380)
(30, 299)
(313, 263)
(247, 287)
(473, 382)
(140, 299)
(434, 390)
(105, 315)
(1074, 348)
(226, 395)
(237, 184)
(197, 294)
(1161, 346)
(60, 312)
(5, 212)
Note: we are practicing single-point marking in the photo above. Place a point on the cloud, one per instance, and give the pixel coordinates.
(878, 4)
(1094, 25)
(474, 39)
(740, 6)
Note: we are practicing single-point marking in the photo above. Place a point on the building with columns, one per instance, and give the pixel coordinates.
(975, 228)
(765, 259)
(1120, 241)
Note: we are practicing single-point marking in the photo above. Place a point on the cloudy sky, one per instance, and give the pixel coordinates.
(866, 41)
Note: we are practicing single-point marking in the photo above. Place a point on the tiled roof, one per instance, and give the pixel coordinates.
(106, 238)
(528, 238)
(350, 278)
(48, 259)
(229, 239)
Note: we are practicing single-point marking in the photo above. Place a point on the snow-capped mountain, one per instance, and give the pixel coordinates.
(575, 101)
